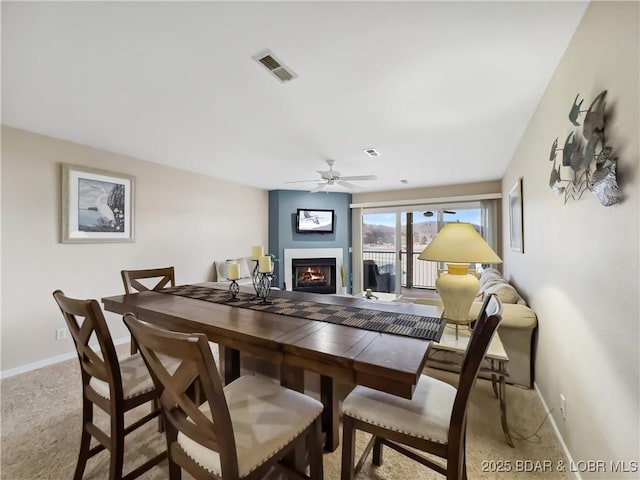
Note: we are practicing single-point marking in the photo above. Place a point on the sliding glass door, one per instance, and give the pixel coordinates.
(426, 225)
(380, 247)
(392, 240)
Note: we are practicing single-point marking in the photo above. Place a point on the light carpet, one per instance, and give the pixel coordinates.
(41, 419)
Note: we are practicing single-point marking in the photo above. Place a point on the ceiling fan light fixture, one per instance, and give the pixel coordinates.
(332, 177)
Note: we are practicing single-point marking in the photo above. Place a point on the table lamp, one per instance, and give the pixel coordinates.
(458, 244)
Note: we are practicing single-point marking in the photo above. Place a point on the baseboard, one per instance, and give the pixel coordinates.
(565, 449)
(49, 361)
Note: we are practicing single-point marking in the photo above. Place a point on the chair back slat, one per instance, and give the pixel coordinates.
(83, 319)
(212, 428)
(131, 278)
(485, 326)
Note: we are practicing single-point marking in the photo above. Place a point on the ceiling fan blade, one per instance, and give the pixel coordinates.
(318, 188)
(360, 177)
(348, 186)
(303, 181)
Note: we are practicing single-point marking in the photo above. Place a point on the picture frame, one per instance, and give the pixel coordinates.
(97, 205)
(516, 229)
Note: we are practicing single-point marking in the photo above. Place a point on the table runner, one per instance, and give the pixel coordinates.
(409, 325)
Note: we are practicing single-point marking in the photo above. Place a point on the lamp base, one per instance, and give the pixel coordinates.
(458, 289)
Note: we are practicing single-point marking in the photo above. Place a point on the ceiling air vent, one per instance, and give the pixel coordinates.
(275, 66)
(372, 152)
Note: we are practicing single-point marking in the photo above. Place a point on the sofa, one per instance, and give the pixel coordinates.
(517, 328)
(246, 266)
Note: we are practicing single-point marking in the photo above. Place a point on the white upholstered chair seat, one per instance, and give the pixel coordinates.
(265, 418)
(426, 415)
(135, 377)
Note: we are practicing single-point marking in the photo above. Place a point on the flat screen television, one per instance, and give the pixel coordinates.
(314, 221)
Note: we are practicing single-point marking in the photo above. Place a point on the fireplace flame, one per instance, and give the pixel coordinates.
(311, 275)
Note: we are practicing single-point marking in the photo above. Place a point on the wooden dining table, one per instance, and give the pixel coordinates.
(383, 361)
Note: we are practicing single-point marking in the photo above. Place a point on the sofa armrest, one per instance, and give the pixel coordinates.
(516, 332)
(513, 315)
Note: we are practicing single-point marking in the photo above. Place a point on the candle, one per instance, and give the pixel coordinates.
(265, 264)
(233, 271)
(257, 252)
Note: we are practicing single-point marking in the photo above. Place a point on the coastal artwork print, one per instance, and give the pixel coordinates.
(516, 231)
(97, 206)
(100, 206)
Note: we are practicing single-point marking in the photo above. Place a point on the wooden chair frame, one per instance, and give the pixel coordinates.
(106, 369)
(198, 367)
(454, 450)
(130, 279)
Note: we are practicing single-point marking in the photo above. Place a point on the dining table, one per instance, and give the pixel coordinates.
(338, 352)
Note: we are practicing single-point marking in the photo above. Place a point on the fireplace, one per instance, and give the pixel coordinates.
(315, 275)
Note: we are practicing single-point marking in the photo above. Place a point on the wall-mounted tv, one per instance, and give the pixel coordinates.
(314, 221)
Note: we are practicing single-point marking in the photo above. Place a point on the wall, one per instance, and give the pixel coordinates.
(283, 205)
(429, 192)
(181, 219)
(580, 266)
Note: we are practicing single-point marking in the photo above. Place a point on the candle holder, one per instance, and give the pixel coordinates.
(264, 286)
(256, 280)
(234, 288)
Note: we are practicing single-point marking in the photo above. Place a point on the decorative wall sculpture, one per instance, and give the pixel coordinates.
(586, 159)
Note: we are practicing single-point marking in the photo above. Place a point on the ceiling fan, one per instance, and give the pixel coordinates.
(332, 177)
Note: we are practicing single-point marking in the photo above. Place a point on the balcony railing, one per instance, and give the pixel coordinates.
(424, 273)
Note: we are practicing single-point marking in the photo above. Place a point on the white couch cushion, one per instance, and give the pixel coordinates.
(265, 418)
(426, 415)
(135, 377)
(491, 281)
(245, 264)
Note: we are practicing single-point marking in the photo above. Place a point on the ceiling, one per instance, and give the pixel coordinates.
(443, 90)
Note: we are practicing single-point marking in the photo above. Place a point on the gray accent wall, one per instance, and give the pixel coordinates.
(283, 205)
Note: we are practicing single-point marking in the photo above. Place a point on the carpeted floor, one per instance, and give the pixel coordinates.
(41, 417)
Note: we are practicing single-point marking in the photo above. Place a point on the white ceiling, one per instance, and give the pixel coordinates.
(443, 90)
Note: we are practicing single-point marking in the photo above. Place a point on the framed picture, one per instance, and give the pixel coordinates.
(516, 232)
(97, 205)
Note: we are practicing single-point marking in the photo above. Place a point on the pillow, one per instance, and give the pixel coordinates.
(491, 281)
(489, 277)
(243, 263)
(245, 267)
(506, 294)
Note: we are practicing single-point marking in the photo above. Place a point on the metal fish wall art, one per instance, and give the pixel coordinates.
(585, 166)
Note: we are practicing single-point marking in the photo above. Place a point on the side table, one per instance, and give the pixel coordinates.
(496, 359)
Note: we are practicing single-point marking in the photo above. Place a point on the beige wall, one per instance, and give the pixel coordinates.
(580, 266)
(181, 219)
(429, 192)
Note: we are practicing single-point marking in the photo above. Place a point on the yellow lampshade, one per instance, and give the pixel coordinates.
(459, 243)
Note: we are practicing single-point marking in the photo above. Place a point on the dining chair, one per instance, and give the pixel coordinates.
(131, 280)
(115, 386)
(433, 421)
(241, 430)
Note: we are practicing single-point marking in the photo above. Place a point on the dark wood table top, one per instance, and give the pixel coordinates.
(384, 361)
